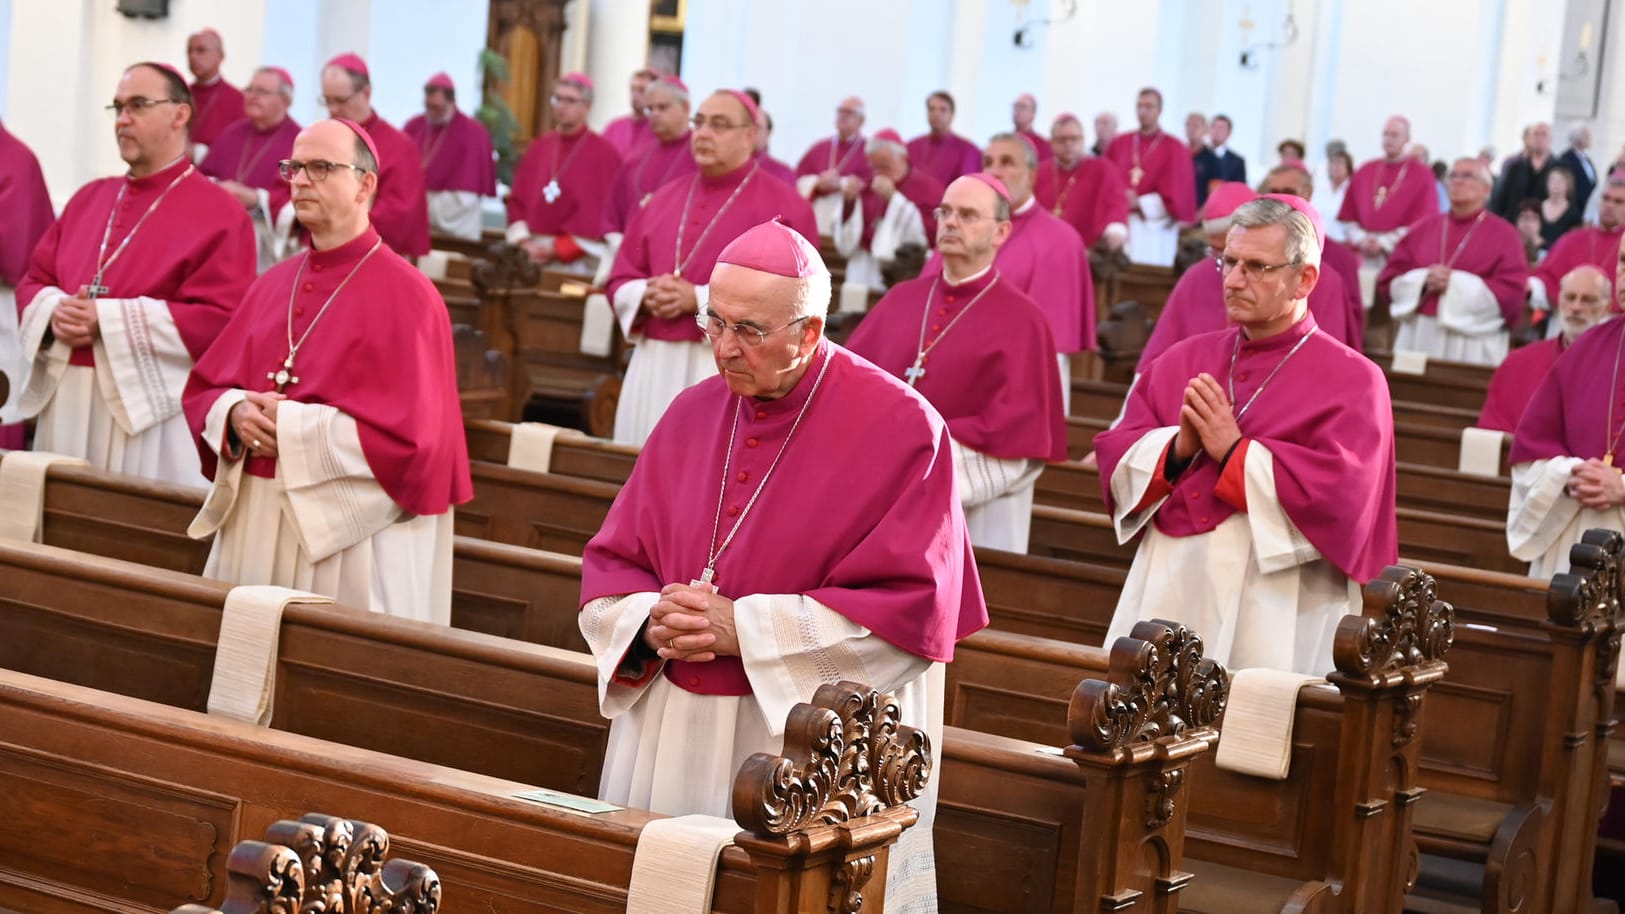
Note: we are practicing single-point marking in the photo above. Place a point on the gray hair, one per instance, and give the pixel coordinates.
(284, 88)
(813, 295)
(1302, 242)
(1019, 140)
(677, 93)
(1576, 129)
(583, 88)
(876, 144)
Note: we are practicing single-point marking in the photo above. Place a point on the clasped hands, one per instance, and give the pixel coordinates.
(670, 296)
(254, 420)
(692, 623)
(1596, 485)
(1437, 280)
(1207, 421)
(74, 322)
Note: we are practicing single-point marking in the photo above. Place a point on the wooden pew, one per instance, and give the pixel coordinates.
(1442, 383)
(482, 375)
(473, 250)
(1336, 832)
(115, 803)
(529, 713)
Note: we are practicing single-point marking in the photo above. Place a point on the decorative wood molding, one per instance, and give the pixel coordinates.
(846, 756)
(323, 865)
(1158, 684)
(1588, 596)
(1405, 626)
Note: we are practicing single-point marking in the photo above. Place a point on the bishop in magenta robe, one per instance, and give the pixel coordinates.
(459, 168)
(401, 213)
(562, 186)
(664, 157)
(897, 206)
(1566, 453)
(1088, 193)
(27, 203)
(1259, 463)
(125, 292)
(243, 161)
(336, 473)
(1596, 245)
(1455, 282)
(662, 271)
(940, 152)
(1292, 179)
(705, 638)
(1387, 196)
(630, 131)
(979, 350)
(1022, 113)
(1583, 303)
(216, 103)
(834, 171)
(1161, 183)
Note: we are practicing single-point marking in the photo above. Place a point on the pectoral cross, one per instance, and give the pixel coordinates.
(1134, 176)
(916, 371)
(1382, 194)
(284, 375)
(1608, 459)
(704, 580)
(551, 192)
(96, 290)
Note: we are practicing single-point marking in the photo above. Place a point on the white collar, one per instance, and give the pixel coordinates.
(1221, 150)
(969, 279)
(1031, 201)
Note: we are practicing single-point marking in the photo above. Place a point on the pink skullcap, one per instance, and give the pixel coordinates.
(210, 33)
(889, 135)
(671, 79)
(1065, 117)
(1223, 200)
(365, 138)
(1308, 209)
(776, 248)
(282, 74)
(352, 62)
(158, 65)
(579, 78)
(993, 182)
(751, 109)
(440, 81)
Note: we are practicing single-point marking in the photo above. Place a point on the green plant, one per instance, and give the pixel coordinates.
(494, 113)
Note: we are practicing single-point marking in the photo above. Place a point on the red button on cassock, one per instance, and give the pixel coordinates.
(751, 442)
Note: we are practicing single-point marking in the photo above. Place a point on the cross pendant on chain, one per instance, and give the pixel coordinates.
(283, 376)
(96, 290)
(551, 192)
(704, 580)
(916, 371)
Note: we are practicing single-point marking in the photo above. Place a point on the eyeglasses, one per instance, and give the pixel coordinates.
(964, 216)
(328, 101)
(317, 169)
(1253, 270)
(716, 123)
(747, 334)
(138, 104)
(558, 99)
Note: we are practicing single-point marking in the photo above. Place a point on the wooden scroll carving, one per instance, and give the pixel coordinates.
(323, 865)
(1405, 626)
(1158, 684)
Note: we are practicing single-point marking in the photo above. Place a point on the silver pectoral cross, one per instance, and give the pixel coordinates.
(96, 290)
(283, 376)
(916, 371)
(704, 580)
(551, 192)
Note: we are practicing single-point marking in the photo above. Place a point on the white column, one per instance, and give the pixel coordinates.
(617, 44)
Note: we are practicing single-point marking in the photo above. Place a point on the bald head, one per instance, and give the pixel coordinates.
(1290, 179)
(1583, 300)
(1396, 134)
(204, 54)
(333, 206)
(849, 117)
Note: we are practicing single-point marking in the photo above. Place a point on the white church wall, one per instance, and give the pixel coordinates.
(411, 40)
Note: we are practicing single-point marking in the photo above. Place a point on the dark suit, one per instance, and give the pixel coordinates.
(1520, 181)
(1213, 168)
(1584, 181)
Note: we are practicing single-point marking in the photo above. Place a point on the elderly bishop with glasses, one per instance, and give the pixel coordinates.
(327, 412)
(662, 273)
(129, 287)
(1258, 461)
(791, 523)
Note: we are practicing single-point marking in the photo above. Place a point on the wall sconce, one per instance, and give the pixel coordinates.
(1578, 67)
(1023, 38)
(1252, 55)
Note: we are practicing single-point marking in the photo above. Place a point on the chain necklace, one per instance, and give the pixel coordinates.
(710, 572)
(104, 262)
(1136, 173)
(1384, 191)
(284, 376)
(679, 262)
(835, 143)
(435, 144)
(244, 169)
(917, 371)
(1230, 382)
(1445, 230)
(1060, 198)
(551, 191)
